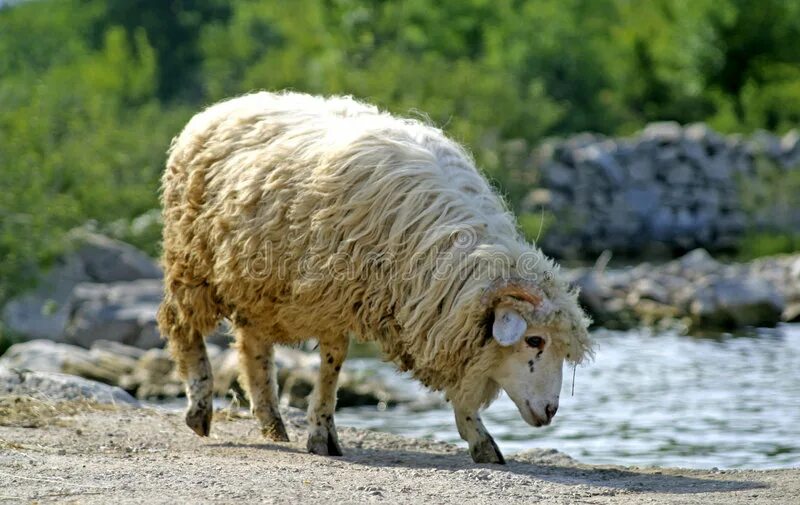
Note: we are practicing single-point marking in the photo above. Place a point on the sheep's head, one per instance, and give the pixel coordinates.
(535, 333)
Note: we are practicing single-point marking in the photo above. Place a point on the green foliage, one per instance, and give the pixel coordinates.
(534, 226)
(6, 339)
(173, 30)
(82, 136)
(92, 91)
(758, 243)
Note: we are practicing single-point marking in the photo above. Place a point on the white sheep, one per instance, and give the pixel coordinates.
(301, 217)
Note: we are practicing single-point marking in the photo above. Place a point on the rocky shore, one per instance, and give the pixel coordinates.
(74, 451)
(93, 317)
(108, 290)
(128, 372)
(693, 293)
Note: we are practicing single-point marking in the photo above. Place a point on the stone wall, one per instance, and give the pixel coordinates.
(667, 189)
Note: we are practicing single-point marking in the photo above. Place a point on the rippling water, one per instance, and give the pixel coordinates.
(649, 399)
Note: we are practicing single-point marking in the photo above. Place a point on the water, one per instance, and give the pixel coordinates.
(663, 400)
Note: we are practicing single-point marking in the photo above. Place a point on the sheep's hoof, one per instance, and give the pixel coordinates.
(199, 419)
(275, 431)
(324, 444)
(486, 451)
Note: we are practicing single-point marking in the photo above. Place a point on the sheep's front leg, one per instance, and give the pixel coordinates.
(322, 438)
(256, 356)
(482, 447)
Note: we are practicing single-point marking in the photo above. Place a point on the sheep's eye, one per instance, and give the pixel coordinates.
(536, 342)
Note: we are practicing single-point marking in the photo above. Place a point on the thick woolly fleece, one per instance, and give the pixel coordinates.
(306, 217)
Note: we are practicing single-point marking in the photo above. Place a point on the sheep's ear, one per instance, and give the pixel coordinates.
(508, 326)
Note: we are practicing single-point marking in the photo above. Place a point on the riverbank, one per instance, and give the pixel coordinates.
(108, 290)
(67, 452)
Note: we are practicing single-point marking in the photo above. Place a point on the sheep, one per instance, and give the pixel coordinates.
(297, 217)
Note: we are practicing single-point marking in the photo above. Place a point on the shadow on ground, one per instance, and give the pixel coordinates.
(609, 477)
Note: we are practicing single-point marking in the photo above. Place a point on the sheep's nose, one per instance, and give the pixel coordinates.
(551, 410)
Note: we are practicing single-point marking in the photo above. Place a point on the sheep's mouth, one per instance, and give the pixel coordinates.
(531, 418)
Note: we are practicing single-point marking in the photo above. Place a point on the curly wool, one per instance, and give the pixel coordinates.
(308, 217)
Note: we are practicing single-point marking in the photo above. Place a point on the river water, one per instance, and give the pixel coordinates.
(647, 399)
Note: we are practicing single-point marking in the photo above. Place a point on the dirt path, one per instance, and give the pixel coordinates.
(87, 454)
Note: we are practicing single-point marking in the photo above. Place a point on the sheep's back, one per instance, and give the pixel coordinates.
(310, 210)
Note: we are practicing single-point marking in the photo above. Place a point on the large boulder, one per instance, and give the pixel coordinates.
(107, 260)
(105, 362)
(43, 356)
(121, 311)
(45, 311)
(124, 312)
(730, 303)
(51, 387)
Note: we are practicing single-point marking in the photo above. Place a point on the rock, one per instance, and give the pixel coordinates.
(696, 263)
(666, 131)
(298, 385)
(106, 363)
(718, 169)
(354, 390)
(642, 200)
(226, 371)
(557, 175)
(701, 133)
(152, 374)
(790, 148)
(297, 374)
(50, 386)
(648, 289)
(44, 312)
(153, 377)
(662, 225)
(696, 290)
(601, 158)
(767, 143)
(42, 356)
(680, 174)
(791, 314)
(595, 294)
(119, 349)
(101, 365)
(642, 170)
(735, 303)
(107, 260)
(545, 457)
(357, 390)
(123, 311)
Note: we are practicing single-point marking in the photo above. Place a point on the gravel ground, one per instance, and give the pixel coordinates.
(86, 453)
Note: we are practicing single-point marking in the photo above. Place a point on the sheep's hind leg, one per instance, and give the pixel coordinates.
(256, 357)
(200, 384)
(322, 438)
(189, 352)
(482, 446)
